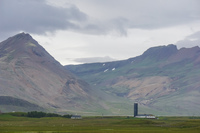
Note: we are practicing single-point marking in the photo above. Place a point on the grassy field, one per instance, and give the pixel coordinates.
(13, 124)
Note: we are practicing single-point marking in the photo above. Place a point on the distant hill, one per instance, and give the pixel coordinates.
(163, 79)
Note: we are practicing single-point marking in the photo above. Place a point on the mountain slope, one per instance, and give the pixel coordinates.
(29, 73)
(163, 78)
(8, 103)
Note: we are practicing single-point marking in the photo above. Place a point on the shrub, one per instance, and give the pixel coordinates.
(67, 116)
(35, 114)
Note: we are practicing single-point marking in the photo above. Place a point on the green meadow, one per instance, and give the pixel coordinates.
(14, 124)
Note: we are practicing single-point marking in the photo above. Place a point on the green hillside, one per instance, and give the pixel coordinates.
(163, 79)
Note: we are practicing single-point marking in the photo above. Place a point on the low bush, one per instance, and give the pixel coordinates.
(36, 114)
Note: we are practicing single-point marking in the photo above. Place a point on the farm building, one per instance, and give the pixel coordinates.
(136, 115)
(76, 117)
(149, 116)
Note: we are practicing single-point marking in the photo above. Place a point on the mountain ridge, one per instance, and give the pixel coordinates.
(30, 73)
(163, 80)
(158, 77)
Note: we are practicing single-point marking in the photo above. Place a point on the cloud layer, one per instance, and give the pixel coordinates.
(36, 16)
(74, 29)
(190, 41)
(94, 16)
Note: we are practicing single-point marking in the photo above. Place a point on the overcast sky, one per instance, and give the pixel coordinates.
(80, 31)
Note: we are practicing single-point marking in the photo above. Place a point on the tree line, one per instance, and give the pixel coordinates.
(38, 114)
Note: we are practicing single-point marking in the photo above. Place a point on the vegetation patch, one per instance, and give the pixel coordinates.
(31, 44)
(37, 114)
(106, 124)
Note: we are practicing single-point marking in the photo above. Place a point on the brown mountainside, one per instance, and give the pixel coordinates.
(163, 78)
(29, 73)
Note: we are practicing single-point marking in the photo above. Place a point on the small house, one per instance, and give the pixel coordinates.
(148, 116)
(76, 117)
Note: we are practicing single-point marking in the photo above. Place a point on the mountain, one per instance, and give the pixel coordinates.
(31, 79)
(163, 79)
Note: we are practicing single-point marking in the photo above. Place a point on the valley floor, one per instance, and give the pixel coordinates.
(12, 124)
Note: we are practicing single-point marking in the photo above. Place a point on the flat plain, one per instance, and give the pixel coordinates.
(106, 124)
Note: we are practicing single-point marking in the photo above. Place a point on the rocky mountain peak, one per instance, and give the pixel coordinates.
(30, 73)
(23, 45)
(19, 39)
(160, 52)
(22, 36)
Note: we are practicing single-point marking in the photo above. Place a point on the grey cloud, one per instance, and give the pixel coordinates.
(36, 16)
(119, 15)
(158, 14)
(94, 59)
(94, 29)
(121, 24)
(190, 41)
